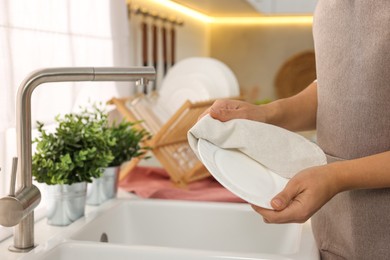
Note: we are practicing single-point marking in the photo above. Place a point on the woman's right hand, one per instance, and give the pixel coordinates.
(296, 113)
(226, 109)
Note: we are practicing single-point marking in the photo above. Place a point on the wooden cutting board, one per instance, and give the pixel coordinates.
(295, 74)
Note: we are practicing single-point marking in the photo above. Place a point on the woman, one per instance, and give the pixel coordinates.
(349, 105)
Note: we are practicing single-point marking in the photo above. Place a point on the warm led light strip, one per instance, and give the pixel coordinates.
(185, 10)
(265, 20)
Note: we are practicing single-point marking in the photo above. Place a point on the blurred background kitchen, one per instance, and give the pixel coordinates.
(267, 44)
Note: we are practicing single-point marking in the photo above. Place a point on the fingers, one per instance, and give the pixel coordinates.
(294, 213)
(222, 110)
(284, 198)
(223, 114)
(225, 110)
(288, 206)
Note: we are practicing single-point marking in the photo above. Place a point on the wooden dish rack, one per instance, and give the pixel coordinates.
(169, 142)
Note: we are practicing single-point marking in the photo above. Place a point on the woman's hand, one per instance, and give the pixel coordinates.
(311, 188)
(225, 110)
(303, 195)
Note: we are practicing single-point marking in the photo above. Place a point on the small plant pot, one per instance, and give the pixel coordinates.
(65, 203)
(103, 188)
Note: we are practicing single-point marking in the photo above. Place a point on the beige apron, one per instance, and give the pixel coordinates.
(352, 45)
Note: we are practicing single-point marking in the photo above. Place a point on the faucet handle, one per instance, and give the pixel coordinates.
(16, 206)
(13, 176)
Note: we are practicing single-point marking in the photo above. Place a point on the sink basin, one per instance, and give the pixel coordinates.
(86, 250)
(162, 229)
(192, 225)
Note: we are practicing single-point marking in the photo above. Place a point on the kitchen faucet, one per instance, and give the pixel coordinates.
(17, 209)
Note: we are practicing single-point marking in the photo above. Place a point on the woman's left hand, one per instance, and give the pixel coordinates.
(303, 195)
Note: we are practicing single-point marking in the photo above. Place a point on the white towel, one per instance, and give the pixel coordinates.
(282, 151)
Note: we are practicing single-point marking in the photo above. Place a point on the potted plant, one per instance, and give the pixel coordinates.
(68, 158)
(128, 144)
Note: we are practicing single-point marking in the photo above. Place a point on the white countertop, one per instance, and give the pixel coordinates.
(43, 231)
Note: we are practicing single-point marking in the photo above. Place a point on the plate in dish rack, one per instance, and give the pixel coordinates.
(222, 81)
(179, 89)
(197, 79)
(240, 174)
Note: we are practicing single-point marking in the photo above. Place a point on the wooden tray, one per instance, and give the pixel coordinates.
(295, 74)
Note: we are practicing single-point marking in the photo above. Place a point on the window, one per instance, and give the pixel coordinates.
(68, 33)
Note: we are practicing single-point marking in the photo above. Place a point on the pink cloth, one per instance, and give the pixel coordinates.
(154, 182)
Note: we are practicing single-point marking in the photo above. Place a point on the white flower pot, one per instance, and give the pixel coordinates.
(103, 188)
(65, 203)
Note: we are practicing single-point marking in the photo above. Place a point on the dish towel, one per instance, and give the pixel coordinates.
(282, 151)
(154, 182)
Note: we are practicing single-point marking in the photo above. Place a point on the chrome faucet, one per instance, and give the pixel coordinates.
(17, 209)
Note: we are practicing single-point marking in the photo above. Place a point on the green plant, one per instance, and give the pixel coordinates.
(77, 151)
(128, 142)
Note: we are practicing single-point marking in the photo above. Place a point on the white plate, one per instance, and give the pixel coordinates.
(184, 87)
(240, 174)
(196, 79)
(220, 80)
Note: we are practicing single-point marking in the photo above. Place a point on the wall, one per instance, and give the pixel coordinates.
(192, 38)
(253, 52)
(256, 52)
(44, 33)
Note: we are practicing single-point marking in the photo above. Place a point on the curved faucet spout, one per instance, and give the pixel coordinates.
(23, 105)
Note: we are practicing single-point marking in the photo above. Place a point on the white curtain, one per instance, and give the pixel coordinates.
(45, 33)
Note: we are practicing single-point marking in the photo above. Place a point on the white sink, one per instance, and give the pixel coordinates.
(162, 229)
(87, 250)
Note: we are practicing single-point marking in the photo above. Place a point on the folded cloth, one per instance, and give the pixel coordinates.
(154, 182)
(282, 151)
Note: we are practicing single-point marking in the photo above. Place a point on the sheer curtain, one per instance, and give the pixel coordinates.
(46, 33)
